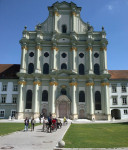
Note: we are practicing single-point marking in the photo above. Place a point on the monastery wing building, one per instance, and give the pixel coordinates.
(64, 72)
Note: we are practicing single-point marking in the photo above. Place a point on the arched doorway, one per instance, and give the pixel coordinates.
(44, 112)
(63, 107)
(116, 113)
(81, 114)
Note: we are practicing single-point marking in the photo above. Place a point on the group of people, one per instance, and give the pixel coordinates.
(26, 122)
(49, 123)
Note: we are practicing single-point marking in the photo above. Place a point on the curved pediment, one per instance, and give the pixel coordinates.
(63, 98)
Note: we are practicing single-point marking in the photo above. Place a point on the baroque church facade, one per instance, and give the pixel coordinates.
(64, 71)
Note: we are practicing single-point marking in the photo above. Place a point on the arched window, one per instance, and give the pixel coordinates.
(45, 95)
(81, 69)
(63, 92)
(97, 69)
(46, 68)
(64, 28)
(30, 68)
(81, 96)
(29, 99)
(63, 66)
(97, 100)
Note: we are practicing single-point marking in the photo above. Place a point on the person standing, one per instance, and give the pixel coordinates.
(32, 124)
(26, 122)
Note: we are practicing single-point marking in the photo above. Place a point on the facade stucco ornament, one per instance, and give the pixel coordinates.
(90, 84)
(63, 98)
(105, 84)
(89, 48)
(73, 49)
(55, 48)
(22, 82)
(103, 48)
(37, 83)
(38, 47)
(53, 83)
(24, 47)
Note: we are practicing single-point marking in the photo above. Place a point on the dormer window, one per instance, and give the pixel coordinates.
(64, 28)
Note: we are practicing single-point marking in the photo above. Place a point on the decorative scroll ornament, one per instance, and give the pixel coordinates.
(55, 48)
(73, 84)
(24, 47)
(90, 84)
(38, 47)
(53, 83)
(57, 14)
(74, 14)
(103, 48)
(37, 83)
(22, 82)
(104, 84)
(73, 49)
(89, 49)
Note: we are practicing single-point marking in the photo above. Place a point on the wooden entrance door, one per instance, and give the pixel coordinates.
(63, 109)
(81, 114)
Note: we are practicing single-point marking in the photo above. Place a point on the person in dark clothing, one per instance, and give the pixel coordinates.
(26, 122)
(32, 124)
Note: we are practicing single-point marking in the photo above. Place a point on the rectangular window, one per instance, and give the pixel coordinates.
(15, 87)
(114, 89)
(14, 99)
(4, 88)
(13, 113)
(114, 100)
(124, 100)
(1, 113)
(123, 88)
(125, 112)
(3, 97)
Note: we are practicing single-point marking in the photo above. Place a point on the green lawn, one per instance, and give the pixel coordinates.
(6, 128)
(97, 136)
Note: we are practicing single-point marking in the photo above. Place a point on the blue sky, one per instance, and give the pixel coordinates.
(112, 14)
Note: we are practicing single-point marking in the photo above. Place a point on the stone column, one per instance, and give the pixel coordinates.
(73, 88)
(105, 99)
(52, 97)
(90, 100)
(54, 58)
(23, 60)
(103, 60)
(38, 52)
(89, 69)
(74, 61)
(20, 103)
(36, 99)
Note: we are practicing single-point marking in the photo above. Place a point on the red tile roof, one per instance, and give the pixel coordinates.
(8, 71)
(118, 74)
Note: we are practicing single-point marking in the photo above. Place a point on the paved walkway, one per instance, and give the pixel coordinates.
(38, 140)
(35, 140)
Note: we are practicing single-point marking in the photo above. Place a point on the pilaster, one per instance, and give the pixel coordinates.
(36, 98)
(74, 60)
(90, 99)
(20, 103)
(38, 53)
(73, 88)
(23, 60)
(54, 58)
(105, 98)
(89, 69)
(53, 86)
(103, 60)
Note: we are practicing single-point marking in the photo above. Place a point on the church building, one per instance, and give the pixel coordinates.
(64, 72)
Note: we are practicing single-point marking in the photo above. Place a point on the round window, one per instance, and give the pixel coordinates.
(31, 54)
(81, 55)
(46, 54)
(63, 55)
(96, 55)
